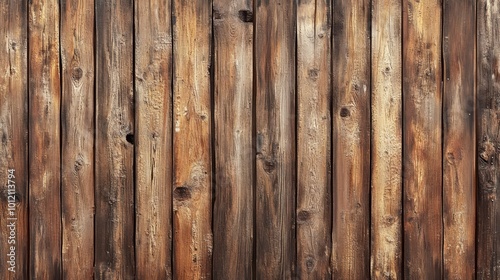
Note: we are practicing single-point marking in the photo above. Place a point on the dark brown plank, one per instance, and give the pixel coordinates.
(459, 174)
(77, 122)
(192, 194)
(314, 217)
(13, 140)
(114, 166)
(153, 157)
(44, 141)
(351, 139)
(488, 139)
(422, 151)
(387, 139)
(275, 126)
(234, 188)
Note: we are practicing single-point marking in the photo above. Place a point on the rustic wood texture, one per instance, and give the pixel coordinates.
(422, 102)
(233, 102)
(114, 147)
(44, 143)
(488, 139)
(459, 180)
(192, 193)
(351, 139)
(314, 217)
(387, 129)
(13, 136)
(77, 138)
(153, 154)
(275, 254)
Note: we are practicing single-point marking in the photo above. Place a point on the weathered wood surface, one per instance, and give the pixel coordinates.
(192, 193)
(114, 147)
(275, 254)
(77, 138)
(153, 140)
(44, 141)
(422, 142)
(387, 150)
(488, 139)
(233, 215)
(351, 139)
(13, 138)
(314, 217)
(459, 180)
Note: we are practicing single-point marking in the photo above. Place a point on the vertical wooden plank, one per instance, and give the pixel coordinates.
(77, 122)
(44, 140)
(192, 194)
(313, 139)
(114, 167)
(386, 153)
(488, 139)
(275, 126)
(153, 158)
(351, 139)
(459, 171)
(233, 84)
(13, 140)
(422, 150)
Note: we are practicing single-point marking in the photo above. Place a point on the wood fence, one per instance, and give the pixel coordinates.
(240, 139)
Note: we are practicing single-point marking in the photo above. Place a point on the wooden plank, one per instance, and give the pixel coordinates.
(153, 158)
(275, 127)
(422, 150)
(351, 139)
(192, 193)
(77, 122)
(459, 170)
(13, 140)
(314, 217)
(488, 139)
(114, 166)
(386, 153)
(44, 141)
(233, 95)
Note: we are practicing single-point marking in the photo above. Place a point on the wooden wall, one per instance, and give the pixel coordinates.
(240, 139)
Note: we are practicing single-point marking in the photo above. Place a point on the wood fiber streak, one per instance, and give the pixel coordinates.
(386, 153)
(153, 158)
(351, 139)
(233, 84)
(422, 150)
(13, 134)
(114, 166)
(275, 139)
(44, 141)
(77, 123)
(192, 193)
(314, 89)
(488, 139)
(459, 170)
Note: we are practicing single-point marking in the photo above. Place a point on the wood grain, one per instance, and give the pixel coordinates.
(386, 153)
(488, 139)
(192, 193)
(153, 154)
(233, 84)
(114, 166)
(275, 255)
(351, 139)
(77, 133)
(13, 137)
(44, 141)
(314, 217)
(422, 150)
(459, 171)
